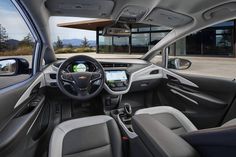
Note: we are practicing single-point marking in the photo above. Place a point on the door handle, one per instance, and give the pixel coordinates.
(174, 81)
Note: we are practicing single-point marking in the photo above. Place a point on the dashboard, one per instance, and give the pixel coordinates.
(116, 79)
(113, 77)
(121, 75)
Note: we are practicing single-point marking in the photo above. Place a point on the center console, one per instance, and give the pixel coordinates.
(117, 80)
(123, 117)
(132, 144)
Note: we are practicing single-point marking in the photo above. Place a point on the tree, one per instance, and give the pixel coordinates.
(69, 46)
(27, 41)
(58, 44)
(3, 38)
(85, 43)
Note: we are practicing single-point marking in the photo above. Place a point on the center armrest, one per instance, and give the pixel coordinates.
(160, 140)
(215, 142)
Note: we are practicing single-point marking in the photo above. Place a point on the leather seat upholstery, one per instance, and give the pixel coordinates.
(174, 119)
(96, 136)
(171, 118)
(160, 140)
(166, 132)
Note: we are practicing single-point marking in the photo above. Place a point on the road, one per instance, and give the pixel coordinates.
(212, 66)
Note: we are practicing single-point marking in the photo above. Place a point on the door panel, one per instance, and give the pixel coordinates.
(16, 121)
(205, 105)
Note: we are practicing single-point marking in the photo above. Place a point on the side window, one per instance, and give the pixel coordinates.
(16, 46)
(157, 59)
(209, 52)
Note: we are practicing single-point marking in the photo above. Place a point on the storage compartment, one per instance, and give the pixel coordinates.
(144, 85)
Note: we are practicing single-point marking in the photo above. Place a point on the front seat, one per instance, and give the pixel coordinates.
(159, 140)
(96, 136)
(174, 119)
(169, 133)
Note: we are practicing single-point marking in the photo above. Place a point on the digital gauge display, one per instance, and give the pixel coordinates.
(79, 67)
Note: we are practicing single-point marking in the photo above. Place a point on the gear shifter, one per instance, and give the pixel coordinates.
(127, 110)
(127, 113)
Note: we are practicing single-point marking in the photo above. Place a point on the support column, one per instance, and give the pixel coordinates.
(97, 40)
(234, 39)
(130, 38)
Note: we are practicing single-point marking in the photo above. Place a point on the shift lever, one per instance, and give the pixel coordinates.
(128, 110)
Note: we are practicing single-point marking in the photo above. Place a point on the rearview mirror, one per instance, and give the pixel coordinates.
(13, 66)
(116, 31)
(179, 63)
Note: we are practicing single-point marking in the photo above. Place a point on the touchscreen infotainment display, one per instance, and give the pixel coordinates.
(118, 75)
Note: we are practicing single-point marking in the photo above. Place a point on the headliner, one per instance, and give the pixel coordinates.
(85, 8)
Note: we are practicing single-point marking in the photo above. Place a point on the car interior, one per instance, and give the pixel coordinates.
(84, 106)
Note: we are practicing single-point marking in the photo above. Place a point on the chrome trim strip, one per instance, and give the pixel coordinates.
(180, 78)
(183, 96)
(41, 108)
(27, 93)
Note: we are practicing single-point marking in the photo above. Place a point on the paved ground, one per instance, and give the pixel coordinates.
(95, 55)
(206, 66)
(211, 66)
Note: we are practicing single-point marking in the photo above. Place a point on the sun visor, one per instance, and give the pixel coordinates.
(167, 18)
(219, 11)
(85, 8)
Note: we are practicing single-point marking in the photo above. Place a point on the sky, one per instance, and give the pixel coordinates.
(69, 33)
(11, 20)
(17, 29)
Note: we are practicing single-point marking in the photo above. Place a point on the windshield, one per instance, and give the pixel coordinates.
(71, 36)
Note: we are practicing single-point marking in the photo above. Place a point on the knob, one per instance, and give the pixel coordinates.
(128, 109)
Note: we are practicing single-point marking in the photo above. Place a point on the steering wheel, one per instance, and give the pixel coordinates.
(85, 85)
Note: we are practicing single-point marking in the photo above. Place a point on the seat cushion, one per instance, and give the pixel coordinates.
(96, 136)
(230, 123)
(171, 118)
(160, 140)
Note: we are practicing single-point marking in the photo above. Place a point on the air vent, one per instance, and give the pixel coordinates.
(115, 65)
(53, 76)
(154, 72)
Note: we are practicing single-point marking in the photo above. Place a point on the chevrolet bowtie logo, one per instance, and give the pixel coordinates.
(82, 77)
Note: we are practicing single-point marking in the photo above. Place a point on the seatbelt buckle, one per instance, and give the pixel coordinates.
(125, 138)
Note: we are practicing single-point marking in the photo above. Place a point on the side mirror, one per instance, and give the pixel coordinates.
(13, 66)
(179, 64)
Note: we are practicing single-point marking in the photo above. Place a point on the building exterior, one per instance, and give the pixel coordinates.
(218, 40)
